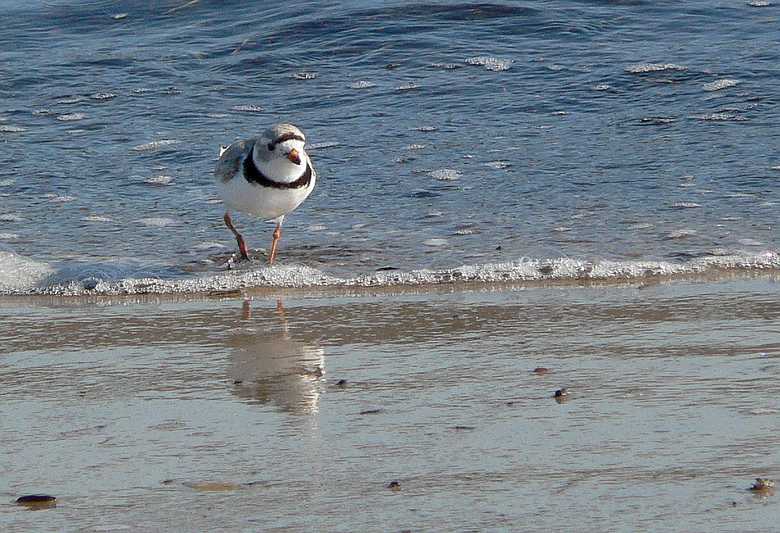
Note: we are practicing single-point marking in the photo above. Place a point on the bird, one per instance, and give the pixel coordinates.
(266, 176)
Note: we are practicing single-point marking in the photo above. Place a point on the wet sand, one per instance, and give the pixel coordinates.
(206, 414)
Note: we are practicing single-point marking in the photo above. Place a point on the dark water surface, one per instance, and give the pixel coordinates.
(223, 415)
(445, 134)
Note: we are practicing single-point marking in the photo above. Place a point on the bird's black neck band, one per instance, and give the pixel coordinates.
(253, 175)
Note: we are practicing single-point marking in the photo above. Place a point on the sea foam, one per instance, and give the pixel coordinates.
(20, 274)
(644, 68)
(23, 276)
(717, 85)
(155, 145)
(494, 64)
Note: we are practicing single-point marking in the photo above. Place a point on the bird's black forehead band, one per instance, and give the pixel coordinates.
(286, 137)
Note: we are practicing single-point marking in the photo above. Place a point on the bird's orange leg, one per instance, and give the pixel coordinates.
(275, 242)
(239, 238)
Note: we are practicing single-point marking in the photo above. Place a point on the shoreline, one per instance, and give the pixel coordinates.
(299, 280)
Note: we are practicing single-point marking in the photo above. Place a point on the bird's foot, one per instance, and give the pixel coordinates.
(233, 260)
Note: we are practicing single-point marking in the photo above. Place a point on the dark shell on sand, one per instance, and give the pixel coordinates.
(35, 498)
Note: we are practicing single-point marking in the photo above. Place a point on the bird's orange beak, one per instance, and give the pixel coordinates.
(294, 156)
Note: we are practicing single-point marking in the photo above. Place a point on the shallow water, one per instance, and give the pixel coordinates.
(444, 134)
(186, 414)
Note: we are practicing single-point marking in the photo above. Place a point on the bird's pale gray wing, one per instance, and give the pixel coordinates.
(230, 161)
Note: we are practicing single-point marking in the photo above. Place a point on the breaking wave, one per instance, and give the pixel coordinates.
(23, 276)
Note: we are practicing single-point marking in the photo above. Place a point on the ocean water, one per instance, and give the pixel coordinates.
(524, 140)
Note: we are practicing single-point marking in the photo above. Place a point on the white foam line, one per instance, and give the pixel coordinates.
(298, 276)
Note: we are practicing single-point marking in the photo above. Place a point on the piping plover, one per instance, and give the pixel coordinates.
(266, 176)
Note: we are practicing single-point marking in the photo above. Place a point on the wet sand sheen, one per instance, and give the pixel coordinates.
(236, 411)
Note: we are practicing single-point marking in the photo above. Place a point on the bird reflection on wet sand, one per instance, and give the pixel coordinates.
(270, 367)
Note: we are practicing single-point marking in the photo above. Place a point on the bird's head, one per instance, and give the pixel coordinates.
(279, 153)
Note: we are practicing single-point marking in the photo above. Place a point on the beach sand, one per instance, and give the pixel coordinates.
(296, 410)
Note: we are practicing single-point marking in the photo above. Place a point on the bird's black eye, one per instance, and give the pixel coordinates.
(271, 147)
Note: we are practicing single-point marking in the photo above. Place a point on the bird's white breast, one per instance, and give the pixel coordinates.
(263, 202)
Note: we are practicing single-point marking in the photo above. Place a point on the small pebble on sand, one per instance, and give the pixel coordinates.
(394, 486)
(561, 395)
(540, 370)
(762, 484)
